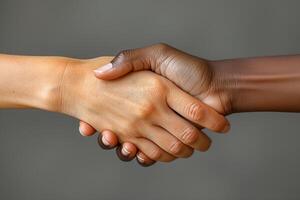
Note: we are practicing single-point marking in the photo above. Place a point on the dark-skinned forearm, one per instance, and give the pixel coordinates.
(260, 84)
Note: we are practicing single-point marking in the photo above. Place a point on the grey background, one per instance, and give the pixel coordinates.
(42, 156)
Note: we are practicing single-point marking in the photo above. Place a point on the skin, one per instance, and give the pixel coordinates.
(228, 86)
(156, 117)
(192, 74)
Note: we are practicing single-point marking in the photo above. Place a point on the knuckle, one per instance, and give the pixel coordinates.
(190, 135)
(158, 87)
(195, 111)
(125, 53)
(156, 82)
(146, 110)
(162, 46)
(177, 147)
(122, 56)
(155, 88)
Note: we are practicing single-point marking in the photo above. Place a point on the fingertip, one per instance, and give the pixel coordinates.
(215, 121)
(110, 74)
(124, 156)
(129, 149)
(206, 145)
(110, 138)
(104, 143)
(126, 152)
(86, 129)
(144, 160)
(219, 124)
(226, 128)
(102, 71)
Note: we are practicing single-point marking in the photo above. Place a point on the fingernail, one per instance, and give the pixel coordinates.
(81, 132)
(142, 160)
(226, 128)
(105, 141)
(104, 68)
(125, 151)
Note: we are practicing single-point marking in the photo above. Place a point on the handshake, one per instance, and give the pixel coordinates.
(158, 114)
(151, 103)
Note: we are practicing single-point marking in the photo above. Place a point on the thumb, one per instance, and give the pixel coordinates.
(125, 62)
(110, 72)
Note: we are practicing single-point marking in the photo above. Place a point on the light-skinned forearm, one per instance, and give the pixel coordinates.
(42, 82)
(30, 81)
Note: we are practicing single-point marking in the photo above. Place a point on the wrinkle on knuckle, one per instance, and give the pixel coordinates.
(189, 135)
(195, 111)
(122, 56)
(125, 53)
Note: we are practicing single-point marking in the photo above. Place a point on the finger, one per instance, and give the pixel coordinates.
(126, 61)
(143, 160)
(85, 129)
(107, 139)
(147, 58)
(152, 151)
(196, 111)
(126, 152)
(185, 131)
(167, 142)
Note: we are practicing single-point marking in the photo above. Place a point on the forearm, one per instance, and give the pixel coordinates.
(261, 84)
(45, 82)
(30, 81)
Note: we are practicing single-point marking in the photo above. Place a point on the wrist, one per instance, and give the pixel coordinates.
(225, 83)
(260, 84)
(69, 88)
(77, 82)
(48, 92)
